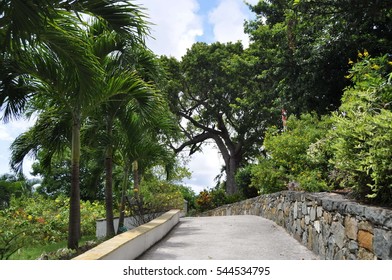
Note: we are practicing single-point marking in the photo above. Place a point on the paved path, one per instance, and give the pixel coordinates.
(228, 238)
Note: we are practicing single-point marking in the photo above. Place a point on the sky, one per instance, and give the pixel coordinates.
(176, 25)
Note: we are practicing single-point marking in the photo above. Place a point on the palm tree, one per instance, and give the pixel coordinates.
(134, 90)
(127, 65)
(140, 146)
(46, 54)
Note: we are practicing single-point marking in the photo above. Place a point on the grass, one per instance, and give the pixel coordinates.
(34, 252)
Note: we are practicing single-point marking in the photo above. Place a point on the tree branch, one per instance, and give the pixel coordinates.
(199, 125)
(225, 133)
(223, 149)
(194, 141)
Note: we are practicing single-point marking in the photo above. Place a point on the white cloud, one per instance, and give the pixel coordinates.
(8, 133)
(205, 166)
(4, 134)
(228, 21)
(252, 2)
(176, 25)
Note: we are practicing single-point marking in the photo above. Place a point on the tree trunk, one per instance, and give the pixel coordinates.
(232, 156)
(109, 183)
(231, 152)
(74, 208)
(123, 194)
(231, 169)
(135, 169)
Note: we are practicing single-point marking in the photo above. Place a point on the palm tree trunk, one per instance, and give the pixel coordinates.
(123, 194)
(109, 182)
(135, 169)
(74, 209)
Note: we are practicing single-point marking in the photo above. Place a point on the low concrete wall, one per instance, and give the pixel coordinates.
(129, 223)
(131, 244)
(328, 224)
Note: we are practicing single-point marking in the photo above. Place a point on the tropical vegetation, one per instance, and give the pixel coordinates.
(112, 117)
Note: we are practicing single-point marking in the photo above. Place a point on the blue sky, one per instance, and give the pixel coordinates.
(177, 25)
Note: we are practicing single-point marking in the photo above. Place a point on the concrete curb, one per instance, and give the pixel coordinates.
(131, 244)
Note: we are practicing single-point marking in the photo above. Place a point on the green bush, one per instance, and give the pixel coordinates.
(289, 149)
(215, 197)
(14, 233)
(352, 149)
(39, 220)
(189, 195)
(243, 179)
(296, 155)
(362, 138)
(161, 195)
(268, 177)
(311, 181)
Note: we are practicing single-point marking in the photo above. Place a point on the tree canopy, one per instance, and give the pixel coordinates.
(304, 46)
(215, 94)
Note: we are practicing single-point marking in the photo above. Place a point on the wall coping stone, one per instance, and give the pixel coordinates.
(135, 241)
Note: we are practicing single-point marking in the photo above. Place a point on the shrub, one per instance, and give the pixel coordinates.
(204, 201)
(215, 197)
(40, 220)
(268, 177)
(294, 155)
(189, 195)
(243, 179)
(161, 195)
(362, 138)
(311, 181)
(15, 233)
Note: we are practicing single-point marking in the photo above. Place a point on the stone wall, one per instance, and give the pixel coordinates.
(328, 224)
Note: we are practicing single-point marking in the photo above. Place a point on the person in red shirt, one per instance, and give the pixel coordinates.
(284, 119)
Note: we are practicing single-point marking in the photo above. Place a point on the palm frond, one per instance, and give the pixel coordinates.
(121, 16)
(22, 146)
(144, 61)
(14, 91)
(22, 21)
(51, 132)
(69, 42)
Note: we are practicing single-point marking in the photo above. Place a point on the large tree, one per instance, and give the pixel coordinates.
(214, 91)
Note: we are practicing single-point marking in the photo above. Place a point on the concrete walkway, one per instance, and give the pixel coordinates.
(228, 238)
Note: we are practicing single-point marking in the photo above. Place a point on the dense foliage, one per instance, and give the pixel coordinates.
(37, 220)
(215, 197)
(297, 61)
(161, 196)
(287, 156)
(14, 186)
(361, 141)
(350, 149)
(303, 47)
(84, 70)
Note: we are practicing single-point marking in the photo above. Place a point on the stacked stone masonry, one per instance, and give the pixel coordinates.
(328, 224)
